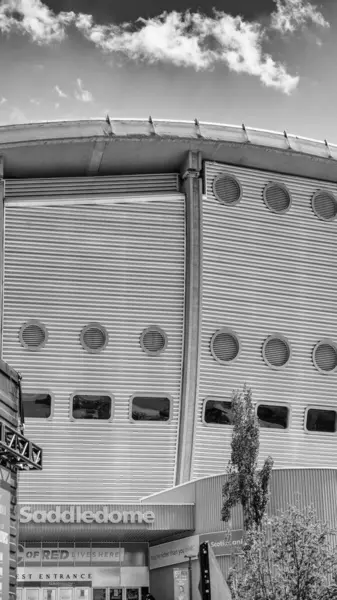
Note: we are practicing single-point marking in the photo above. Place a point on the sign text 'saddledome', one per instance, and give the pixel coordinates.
(75, 514)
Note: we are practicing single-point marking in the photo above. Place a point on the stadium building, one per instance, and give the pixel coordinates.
(150, 268)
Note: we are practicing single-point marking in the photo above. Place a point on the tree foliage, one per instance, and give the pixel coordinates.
(289, 557)
(245, 483)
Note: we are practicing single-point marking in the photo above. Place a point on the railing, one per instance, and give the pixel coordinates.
(18, 450)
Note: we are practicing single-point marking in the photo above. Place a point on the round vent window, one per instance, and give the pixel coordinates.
(276, 351)
(33, 335)
(324, 205)
(153, 340)
(227, 189)
(277, 197)
(225, 345)
(94, 337)
(325, 356)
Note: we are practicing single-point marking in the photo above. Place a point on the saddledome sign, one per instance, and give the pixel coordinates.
(75, 514)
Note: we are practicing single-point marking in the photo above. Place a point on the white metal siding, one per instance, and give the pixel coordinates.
(121, 265)
(265, 273)
(86, 186)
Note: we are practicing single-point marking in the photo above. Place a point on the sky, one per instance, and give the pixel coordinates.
(270, 64)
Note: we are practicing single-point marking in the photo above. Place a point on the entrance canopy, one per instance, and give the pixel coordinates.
(96, 523)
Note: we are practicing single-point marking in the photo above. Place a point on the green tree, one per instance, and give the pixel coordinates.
(288, 557)
(246, 484)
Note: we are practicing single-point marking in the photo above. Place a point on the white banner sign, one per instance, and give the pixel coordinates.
(85, 576)
(88, 576)
(66, 556)
(54, 574)
(174, 552)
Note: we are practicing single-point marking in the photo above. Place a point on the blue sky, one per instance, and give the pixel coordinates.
(269, 64)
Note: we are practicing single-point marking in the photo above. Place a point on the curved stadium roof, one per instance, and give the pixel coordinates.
(121, 146)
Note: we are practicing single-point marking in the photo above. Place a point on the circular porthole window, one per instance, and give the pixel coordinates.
(277, 197)
(276, 351)
(225, 345)
(33, 335)
(153, 340)
(94, 337)
(227, 189)
(325, 356)
(324, 205)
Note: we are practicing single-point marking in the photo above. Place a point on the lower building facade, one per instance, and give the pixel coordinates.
(121, 552)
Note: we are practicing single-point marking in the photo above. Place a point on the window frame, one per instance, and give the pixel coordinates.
(151, 395)
(91, 393)
(215, 399)
(42, 326)
(280, 184)
(275, 404)
(328, 192)
(323, 341)
(102, 329)
(316, 407)
(42, 391)
(233, 177)
(230, 331)
(159, 330)
(285, 340)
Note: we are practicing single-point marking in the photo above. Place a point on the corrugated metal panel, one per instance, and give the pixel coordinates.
(305, 487)
(265, 273)
(301, 487)
(86, 186)
(121, 265)
(208, 504)
(226, 563)
(181, 493)
(288, 487)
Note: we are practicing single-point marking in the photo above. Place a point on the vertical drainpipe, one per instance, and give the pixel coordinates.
(192, 187)
(2, 246)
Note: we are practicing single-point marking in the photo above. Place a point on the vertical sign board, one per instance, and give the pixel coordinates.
(181, 584)
(5, 507)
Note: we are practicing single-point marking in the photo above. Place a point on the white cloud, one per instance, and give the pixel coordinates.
(57, 105)
(193, 40)
(291, 15)
(182, 39)
(82, 94)
(16, 116)
(60, 93)
(35, 101)
(34, 18)
(3, 100)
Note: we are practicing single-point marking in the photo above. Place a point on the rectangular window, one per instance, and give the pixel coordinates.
(218, 411)
(65, 594)
(37, 406)
(91, 406)
(150, 408)
(116, 594)
(82, 593)
(275, 417)
(99, 594)
(319, 419)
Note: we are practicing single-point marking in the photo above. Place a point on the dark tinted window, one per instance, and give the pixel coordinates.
(272, 416)
(218, 411)
(90, 406)
(99, 594)
(36, 405)
(321, 420)
(150, 408)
